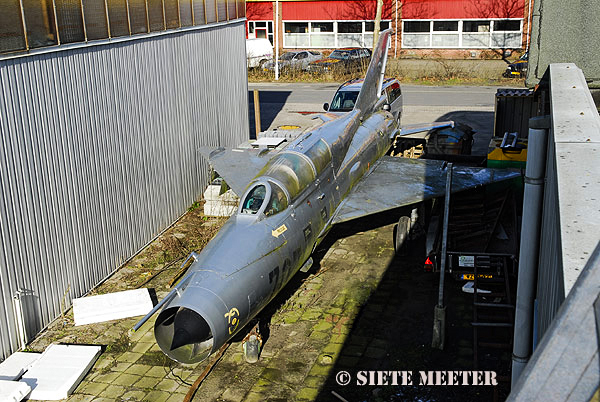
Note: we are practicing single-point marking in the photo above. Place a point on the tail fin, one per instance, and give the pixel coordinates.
(371, 88)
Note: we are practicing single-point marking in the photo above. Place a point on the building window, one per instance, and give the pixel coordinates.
(329, 34)
(322, 34)
(445, 34)
(448, 34)
(261, 29)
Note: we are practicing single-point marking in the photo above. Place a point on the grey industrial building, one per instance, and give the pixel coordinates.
(103, 106)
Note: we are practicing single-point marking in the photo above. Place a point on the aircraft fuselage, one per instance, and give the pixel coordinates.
(257, 252)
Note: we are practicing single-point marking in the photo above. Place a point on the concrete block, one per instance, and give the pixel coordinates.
(16, 364)
(212, 193)
(219, 204)
(218, 208)
(59, 370)
(111, 306)
(439, 327)
(13, 391)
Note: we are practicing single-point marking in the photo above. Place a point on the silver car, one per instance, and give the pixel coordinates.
(295, 60)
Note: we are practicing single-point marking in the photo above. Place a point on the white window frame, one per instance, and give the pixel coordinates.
(460, 33)
(335, 32)
(270, 33)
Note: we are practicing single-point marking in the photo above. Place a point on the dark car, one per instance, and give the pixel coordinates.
(518, 68)
(344, 60)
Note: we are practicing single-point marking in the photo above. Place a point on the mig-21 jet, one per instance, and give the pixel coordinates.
(290, 198)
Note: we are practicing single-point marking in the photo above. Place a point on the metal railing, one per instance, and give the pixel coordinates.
(569, 228)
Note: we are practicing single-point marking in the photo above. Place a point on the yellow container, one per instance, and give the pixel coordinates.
(499, 158)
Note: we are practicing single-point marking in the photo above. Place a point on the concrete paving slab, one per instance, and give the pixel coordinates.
(16, 364)
(13, 391)
(59, 370)
(112, 306)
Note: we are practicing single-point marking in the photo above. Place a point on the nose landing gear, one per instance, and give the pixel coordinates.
(251, 345)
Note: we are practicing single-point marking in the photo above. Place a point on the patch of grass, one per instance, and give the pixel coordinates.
(154, 358)
(119, 346)
(194, 206)
(438, 71)
(256, 75)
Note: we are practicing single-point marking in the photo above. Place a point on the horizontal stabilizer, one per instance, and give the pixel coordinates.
(236, 166)
(395, 182)
(423, 128)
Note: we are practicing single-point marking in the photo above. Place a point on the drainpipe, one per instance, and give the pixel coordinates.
(530, 243)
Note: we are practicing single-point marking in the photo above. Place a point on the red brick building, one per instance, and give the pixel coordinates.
(459, 28)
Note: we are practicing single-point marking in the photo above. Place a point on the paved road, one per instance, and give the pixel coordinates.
(414, 95)
(285, 103)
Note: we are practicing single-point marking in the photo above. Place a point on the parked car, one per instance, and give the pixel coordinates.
(295, 60)
(348, 59)
(259, 51)
(518, 68)
(346, 95)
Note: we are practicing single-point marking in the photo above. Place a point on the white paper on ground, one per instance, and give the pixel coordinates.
(469, 288)
(59, 370)
(16, 364)
(111, 306)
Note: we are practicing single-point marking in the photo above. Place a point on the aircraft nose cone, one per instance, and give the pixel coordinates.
(189, 328)
(183, 335)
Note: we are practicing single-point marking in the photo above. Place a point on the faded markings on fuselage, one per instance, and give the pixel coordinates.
(279, 231)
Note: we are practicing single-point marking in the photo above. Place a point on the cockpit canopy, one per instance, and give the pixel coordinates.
(284, 177)
(256, 199)
(292, 170)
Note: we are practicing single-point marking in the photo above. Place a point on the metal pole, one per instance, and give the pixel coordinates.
(396, 33)
(445, 234)
(107, 18)
(530, 243)
(129, 17)
(276, 43)
(24, 25)
(83, 20)
(56, 22)
(256, 113)
(439, 312)
(147, 17)
(192, 9)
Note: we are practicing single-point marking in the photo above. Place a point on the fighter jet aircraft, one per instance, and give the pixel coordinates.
(289, 200)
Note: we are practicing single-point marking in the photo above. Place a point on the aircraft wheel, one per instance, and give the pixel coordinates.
(401, 232)
(251, 348)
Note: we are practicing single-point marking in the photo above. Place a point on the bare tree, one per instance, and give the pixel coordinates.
(377, 22)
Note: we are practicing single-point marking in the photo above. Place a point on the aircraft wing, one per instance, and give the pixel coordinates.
(395, 182)
(236, 166)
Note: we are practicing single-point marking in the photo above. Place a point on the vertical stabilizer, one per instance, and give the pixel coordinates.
(371, 88)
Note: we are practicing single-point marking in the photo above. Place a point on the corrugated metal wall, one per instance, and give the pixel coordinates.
(550, 285)
(98, 156)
